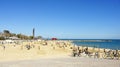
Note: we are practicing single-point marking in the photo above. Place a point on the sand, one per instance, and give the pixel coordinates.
(52, 54)
(63, 62)
(14, 52)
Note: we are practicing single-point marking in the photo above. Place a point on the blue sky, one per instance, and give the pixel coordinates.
(83, 19)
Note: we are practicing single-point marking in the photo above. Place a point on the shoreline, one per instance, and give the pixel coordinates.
(99, 43)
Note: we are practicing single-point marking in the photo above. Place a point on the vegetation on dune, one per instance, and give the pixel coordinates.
(6, 34)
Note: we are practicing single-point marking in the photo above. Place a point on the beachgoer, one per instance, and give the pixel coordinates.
(28, 47)
(96, 54)
(104, 51)
(39, 47)
(74, 52)
(116, 54)
(78, 47)
(86, 50)
(79, 52)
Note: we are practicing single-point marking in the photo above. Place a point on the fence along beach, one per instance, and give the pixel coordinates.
(12, 50)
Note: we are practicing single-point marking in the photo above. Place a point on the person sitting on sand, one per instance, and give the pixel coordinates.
(116, 54)
(28, 47)
(96, 54)
(86, 50)
(108, 54)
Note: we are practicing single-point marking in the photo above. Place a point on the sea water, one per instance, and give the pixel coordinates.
(98, 43)
(109, 44)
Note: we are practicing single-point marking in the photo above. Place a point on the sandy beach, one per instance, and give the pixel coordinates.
(50, 54)
(37, 49)
(59, 33)
(63, 62)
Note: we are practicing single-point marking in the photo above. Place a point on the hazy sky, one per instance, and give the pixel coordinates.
(62, 18)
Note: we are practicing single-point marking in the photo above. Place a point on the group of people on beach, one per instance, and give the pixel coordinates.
(29, 44)
(76, 51)
(111, 54)
(105, 54)
(80, 52)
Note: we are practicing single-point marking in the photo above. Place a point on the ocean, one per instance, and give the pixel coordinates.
(98, 43)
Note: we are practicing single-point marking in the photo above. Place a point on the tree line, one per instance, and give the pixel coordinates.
(6, 34)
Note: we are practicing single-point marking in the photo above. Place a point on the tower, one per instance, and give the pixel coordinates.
(33, 33)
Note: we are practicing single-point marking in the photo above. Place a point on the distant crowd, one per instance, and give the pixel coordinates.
(106, 54)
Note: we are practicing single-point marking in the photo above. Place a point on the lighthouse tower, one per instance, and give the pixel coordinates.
(33, 33)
